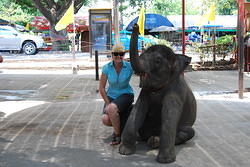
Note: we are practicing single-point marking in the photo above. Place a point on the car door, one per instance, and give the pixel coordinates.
(9, 39)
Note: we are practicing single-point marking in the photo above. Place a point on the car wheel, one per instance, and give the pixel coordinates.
(29, 48)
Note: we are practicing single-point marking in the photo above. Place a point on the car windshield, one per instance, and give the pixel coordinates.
(8, 30)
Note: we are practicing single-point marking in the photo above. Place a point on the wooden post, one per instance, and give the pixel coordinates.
(240, 41)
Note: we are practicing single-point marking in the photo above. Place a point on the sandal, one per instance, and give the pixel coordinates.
(116, 139)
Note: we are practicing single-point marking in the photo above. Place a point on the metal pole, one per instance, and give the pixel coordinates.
(96, 66)
(183, 27)
(74, 67)
(240, 40)
(116, 22)
(214, 56)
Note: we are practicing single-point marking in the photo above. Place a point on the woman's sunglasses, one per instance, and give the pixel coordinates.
(118, 54)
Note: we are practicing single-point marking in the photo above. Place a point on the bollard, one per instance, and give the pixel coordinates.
(96, 66)
(1, 59)
(74, 70)
(142, 46)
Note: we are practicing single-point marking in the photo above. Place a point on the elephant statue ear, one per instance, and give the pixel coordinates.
(182, 62)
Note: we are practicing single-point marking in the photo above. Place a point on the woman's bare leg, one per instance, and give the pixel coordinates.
(114, 117)
(105, 120)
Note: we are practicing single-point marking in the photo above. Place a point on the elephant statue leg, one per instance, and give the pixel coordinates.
(184, 134)
(153, 142)
(170, 113)
(134, 121)
(185, 131)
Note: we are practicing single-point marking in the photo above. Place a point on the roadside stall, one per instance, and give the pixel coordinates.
(41, 25)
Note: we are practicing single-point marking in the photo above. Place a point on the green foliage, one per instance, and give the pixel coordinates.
(27, 6)
(223, 47)
(134, 6)
(163, 7)
(15, 13)
(227, 7)
(223, 7)
(227, 39)
(174, 7)
(166, 7)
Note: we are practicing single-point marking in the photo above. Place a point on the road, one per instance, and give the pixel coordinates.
(50, 61)
(53, 120)
(43, 55)
(58, 60)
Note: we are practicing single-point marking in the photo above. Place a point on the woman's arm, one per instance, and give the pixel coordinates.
(102, 85)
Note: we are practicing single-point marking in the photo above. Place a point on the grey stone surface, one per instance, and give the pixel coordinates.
(55, 122)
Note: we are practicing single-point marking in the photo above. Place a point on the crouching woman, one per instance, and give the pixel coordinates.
(119, 96)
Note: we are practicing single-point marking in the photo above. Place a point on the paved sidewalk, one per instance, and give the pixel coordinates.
(53, 120)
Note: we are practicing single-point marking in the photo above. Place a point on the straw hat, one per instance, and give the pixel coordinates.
(118, 48)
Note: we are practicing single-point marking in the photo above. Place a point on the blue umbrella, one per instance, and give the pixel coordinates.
(151, 21)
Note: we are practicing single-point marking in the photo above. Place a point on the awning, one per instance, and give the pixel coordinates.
(212, 26)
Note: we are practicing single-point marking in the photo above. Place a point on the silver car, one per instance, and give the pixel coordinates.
(13, 40)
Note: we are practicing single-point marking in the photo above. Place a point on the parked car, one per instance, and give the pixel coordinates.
(13, 40)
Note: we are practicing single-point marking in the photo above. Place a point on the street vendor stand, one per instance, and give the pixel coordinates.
(41, 25)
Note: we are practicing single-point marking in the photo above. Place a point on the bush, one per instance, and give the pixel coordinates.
(224, 40)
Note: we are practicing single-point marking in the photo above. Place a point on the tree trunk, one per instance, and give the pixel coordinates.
(60, 39)
(53, 12)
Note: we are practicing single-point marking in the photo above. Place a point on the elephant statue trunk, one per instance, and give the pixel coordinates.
(133, 52)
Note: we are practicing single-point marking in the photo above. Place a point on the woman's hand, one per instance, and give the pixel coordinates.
(106, 109)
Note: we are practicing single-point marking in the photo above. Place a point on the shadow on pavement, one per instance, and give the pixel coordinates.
(74, 157)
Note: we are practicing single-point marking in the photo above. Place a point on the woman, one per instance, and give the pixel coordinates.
(119, 95)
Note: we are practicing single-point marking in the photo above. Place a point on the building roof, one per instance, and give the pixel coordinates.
(227, 21)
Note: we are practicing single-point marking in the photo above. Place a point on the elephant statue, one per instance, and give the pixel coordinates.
(165, 110)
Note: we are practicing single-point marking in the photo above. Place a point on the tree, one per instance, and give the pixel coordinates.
(167, 7)
(223, 7)
(16, 13)
(128, 8)
(227, 7)
(163, 7)
(27, 5)
(53, 10)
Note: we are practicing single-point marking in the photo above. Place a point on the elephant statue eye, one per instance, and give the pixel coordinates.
(157, 61)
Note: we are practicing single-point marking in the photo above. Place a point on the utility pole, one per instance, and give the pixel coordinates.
(74, 66)
(116, 21)
(183, 27)
(240, 41)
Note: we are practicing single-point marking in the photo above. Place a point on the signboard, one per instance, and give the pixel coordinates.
(100, 24)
